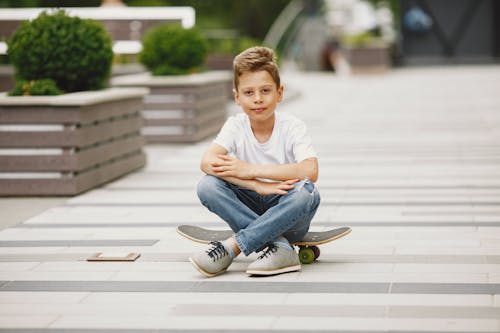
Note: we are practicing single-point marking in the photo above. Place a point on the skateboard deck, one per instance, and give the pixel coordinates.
(308, 246)
(205, 236)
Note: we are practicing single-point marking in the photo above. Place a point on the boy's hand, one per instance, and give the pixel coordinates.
(227, 166)
(282, 188)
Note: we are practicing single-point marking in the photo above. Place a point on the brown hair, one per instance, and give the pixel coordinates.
(257, 58)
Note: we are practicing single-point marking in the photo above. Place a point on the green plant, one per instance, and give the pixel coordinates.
(75, 53)
(170, 49)
(361, 39)
(43, 87)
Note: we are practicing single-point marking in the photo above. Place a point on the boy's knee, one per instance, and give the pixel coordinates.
(208, 187)
(306, 194)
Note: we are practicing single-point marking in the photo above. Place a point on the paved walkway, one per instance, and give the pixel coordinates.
(410, 160)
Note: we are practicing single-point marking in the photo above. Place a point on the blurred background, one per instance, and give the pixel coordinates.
(341, 36)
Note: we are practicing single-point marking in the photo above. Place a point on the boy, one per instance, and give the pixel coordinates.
(260, 174)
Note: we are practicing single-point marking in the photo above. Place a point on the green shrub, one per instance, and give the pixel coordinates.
(43, 87)
(172, 50)
(74, 52)
(361, 39)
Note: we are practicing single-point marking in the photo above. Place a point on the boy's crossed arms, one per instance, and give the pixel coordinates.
(217, 163)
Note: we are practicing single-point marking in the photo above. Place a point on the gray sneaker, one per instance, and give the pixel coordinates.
(275, 260)
(213, 261)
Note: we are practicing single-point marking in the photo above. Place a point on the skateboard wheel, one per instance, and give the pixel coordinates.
(306, 255)
(316, 251)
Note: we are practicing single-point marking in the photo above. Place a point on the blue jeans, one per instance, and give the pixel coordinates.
(257, 219)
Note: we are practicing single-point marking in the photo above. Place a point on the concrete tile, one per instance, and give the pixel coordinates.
(324, 323)
(163, 322)
(47, 235)
(490, 242)
(90, 250)
(264, 310)
(320, 267)
(80, 309)
(447, 268)
(17, 266)
(82, 266)
(344, 277)
(439, 243)
(357, 248)
(496, 300)
(494, 278)
(31, 250)
(462, 312)
(78, 242)
(40, 297)
(27, 321)
(444, 324)
(11, 232)
(417, 258)
(394, 277)
(489, 232)
(422, 300)
(97, 214)
(445, 288)
(55, 276)
(492, 259)
(136, 198)
(438, 233)
(156, 276)
(458, 251)
(136, 266)
(166, 298)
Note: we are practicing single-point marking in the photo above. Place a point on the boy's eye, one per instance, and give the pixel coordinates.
(266, 91)
(248, 92)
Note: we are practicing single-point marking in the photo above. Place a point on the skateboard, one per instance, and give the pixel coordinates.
(308, 246)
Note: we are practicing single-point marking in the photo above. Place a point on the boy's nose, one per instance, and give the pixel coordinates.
(258, 97)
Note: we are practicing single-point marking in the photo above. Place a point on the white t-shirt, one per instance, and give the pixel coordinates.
(289, 142)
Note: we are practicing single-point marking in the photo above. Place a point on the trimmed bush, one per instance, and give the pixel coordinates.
(170, 49)
(43, 87)
(76, 53)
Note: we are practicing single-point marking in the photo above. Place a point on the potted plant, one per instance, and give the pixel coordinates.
(61, 132)
(366, 53)
(185, 104)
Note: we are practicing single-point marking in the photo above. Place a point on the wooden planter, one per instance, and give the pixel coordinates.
(367, 59)
(185, 108)
(67, 144)
(6, 77)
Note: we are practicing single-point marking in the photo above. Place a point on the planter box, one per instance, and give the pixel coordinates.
(186, 108)
(67, 144)
(6, 78)
(367, 59)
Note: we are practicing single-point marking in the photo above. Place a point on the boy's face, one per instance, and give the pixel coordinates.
(257, 95)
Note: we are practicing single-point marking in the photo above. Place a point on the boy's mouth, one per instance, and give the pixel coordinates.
(258, 109)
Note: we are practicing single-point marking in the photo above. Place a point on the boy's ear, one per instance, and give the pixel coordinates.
(280, 93)
(236, 96)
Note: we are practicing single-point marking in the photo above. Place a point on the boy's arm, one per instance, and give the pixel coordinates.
(226, 166)
(212, 158)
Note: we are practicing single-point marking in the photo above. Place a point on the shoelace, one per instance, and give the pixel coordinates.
(269, 251)
(217, 251)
